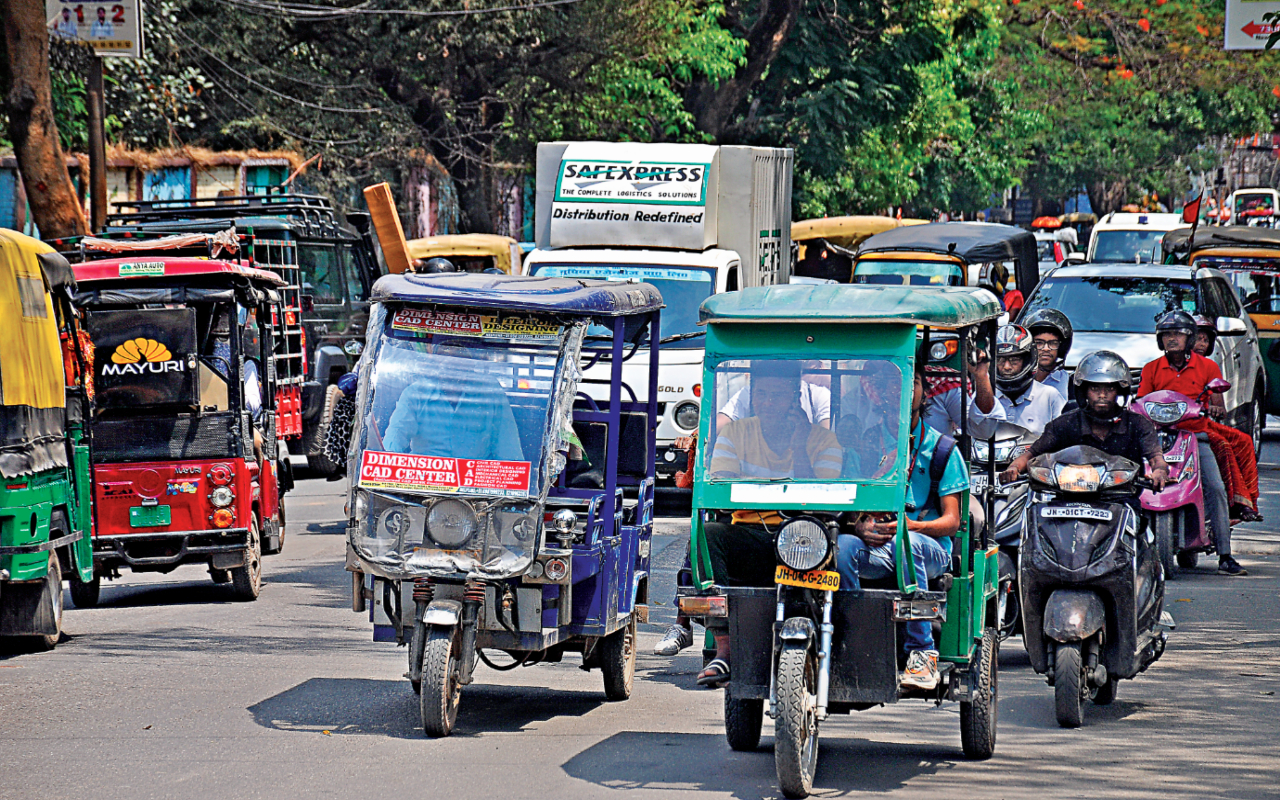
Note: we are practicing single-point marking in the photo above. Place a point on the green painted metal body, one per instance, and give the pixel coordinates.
(27, 505)
(835, 322)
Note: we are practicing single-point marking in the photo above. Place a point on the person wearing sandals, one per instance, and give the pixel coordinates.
(778, 441)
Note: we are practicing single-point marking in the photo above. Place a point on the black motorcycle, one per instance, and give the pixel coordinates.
(1091, 582)
(1005, 513)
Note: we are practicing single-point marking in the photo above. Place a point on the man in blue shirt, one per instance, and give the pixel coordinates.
(456, 410)
(931, 522)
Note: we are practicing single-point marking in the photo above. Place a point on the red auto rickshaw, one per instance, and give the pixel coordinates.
(188, 463)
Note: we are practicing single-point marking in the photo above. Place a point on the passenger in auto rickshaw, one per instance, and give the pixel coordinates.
(933, 517)
(764, 445)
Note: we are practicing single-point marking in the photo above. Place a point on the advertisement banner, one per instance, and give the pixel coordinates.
(401, 472)
(144, 357)
(423, 321)
(1245, 28)
(113, 30)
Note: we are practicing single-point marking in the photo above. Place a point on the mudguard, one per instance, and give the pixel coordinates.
(442, 612)
(1073, 615)
(798, 629)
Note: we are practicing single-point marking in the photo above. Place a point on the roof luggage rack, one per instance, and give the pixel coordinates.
(315, 211)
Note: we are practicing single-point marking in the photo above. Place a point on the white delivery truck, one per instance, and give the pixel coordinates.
(691, 219)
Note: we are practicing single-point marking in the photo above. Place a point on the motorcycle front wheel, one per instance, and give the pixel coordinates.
(795, 730)
(1069, 686)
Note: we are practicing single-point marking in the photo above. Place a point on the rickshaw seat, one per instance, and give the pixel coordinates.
(634, 457)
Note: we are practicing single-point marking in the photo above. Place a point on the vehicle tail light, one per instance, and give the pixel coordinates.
(222, 518)
(220, 474)
(697, 390)
(709, 606)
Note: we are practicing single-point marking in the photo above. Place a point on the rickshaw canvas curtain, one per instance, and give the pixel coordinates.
(32, 394)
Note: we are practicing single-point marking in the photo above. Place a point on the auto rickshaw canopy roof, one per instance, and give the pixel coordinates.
(32, 381)
(1180, 242)
(465, 244)
(973, 242)
(533, 294)
(939, 307)
(846, 231)
(152, 267)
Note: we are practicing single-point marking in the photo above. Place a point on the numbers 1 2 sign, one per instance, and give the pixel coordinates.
(112, 29)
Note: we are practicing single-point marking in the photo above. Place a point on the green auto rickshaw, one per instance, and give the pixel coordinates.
(44, 455)
(803, 642)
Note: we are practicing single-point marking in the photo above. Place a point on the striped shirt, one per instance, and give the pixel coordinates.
(741, 452)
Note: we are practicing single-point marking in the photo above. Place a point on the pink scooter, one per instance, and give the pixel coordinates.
(1177, 513)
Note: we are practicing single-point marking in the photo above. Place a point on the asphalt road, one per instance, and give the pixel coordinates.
(172, 689)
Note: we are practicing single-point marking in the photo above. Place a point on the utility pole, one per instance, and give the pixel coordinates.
(97, 149)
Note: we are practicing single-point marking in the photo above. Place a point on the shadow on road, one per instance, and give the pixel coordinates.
(704, 762)
(390, 708)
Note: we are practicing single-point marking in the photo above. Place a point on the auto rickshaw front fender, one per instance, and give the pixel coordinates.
(444, 613)
(798, 629)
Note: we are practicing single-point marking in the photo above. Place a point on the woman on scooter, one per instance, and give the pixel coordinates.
(1235, 448)
(1182, 370)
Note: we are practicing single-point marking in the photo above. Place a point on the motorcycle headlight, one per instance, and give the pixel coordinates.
(1166, 413)
(980, 450)
(686, 416)
(802, 544)
(1078, 477)
(1004, 450)
(451, 523)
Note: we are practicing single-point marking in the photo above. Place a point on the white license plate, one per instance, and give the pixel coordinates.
(1057, 512)
(1174, 458)
(977, 483)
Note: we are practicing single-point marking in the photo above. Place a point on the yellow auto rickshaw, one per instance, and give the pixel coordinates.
(470, 252)
(950, 254)
(825, 246)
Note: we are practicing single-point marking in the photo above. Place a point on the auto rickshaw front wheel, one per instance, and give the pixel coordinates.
(85, 594)
(978, 715)
(53, 586)
(618, 661)
(742, 721)
(795, 736)
(440, 691)
(247, 579)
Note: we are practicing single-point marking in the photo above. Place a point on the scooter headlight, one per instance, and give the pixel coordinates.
(802, 544)
(1165, 413)
(1078, 477)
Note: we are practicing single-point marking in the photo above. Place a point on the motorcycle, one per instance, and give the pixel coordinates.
(1092, 587)
(1008, 504)
(1178, 513)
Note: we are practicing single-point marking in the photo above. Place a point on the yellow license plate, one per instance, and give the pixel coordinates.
(815, 579)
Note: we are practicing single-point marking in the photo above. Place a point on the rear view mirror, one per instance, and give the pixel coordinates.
(308, 302)
(1075, 258)
(1218, 385)
(1230, 326)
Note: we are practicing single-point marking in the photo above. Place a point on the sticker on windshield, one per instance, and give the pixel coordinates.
(408, 473)
(134, 269)
(425, 321)
(606, 273)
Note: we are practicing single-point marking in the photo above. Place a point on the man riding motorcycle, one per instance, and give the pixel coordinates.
(1021, 399)
(1184, 371)
(1100, 381)
(1051, 331)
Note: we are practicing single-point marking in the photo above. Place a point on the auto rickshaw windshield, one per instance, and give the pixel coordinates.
(911, 273)
(845, 417)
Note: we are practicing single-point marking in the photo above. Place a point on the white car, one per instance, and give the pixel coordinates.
(1131, 238)
(1115, 306)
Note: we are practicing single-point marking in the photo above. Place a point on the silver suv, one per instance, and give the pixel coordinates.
(1115, 306)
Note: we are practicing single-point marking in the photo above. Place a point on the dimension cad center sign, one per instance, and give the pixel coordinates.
(1245, 28)
(113, 29)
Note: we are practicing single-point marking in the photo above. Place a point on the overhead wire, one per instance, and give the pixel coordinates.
(309, 11)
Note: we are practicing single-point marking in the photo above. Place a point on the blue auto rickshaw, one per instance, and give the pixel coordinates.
(498, 502)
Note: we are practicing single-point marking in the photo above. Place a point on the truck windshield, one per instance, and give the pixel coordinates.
(467, 392)
(806, 420)
(683, 290)
(1130, 247)
(909, 273)
(1122, 305)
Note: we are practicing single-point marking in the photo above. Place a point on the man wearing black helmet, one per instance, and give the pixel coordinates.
(1051, 332)
(1099, 383)
(1021, 400)
(434, 266)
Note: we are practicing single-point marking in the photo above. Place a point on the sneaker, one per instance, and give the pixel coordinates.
(678, 638)
(921, 671)
(1229, 566)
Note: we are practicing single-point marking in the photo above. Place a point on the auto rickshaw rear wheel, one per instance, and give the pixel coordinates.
(618, 661)
(1069, 686)
(742, 721)
(53, 585)
(247, 579)
(440, 691)
(795, 738)
(315, 437)
(85, 594)
(978, 716)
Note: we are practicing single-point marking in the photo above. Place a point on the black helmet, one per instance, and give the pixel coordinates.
(433, 266)
(1099, 369)
(1051, 320)
(1015, 340)
(994, 277)
(1205, 325)
(1175, 321)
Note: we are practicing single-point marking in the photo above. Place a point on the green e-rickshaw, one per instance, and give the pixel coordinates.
(807, 648)
(44, 455)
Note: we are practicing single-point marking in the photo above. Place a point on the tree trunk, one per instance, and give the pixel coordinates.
(1107, 196)
(28, 100)
(713, 106)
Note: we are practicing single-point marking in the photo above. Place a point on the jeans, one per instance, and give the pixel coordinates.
(1215, 496)
(741, 555)
(856, 560)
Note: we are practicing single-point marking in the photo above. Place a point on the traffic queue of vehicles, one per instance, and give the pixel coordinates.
(509, 432)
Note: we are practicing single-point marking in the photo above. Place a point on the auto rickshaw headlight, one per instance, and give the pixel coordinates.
(802, 544)
(451, 523)
(686, 416)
